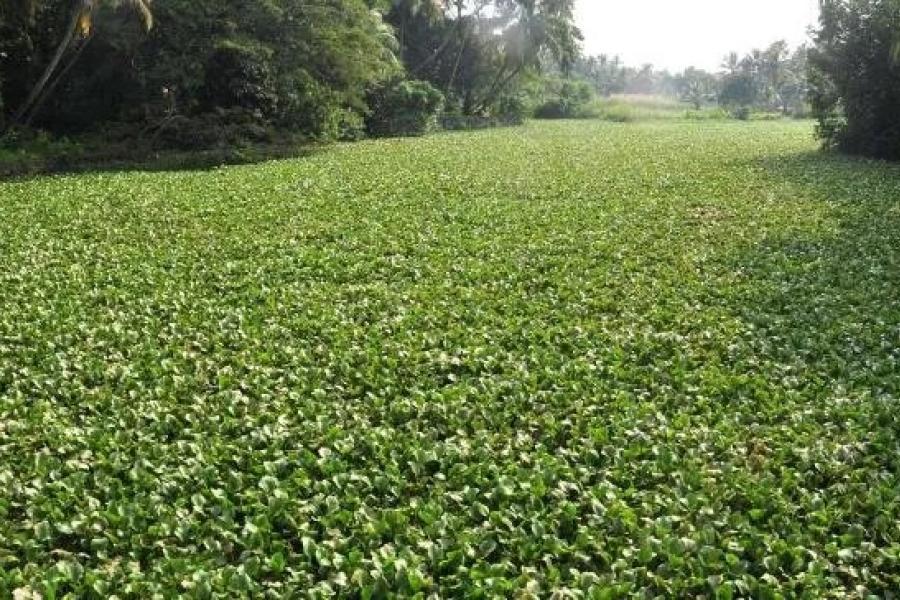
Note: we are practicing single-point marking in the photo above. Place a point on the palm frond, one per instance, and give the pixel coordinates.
(85, 22)
(142, 7)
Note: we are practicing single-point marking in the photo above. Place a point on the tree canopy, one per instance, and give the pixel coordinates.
(855, 76)
(309, 66)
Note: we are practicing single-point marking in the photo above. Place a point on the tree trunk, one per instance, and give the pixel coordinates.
(462, 48)
(54, 63)
(458, 30)
(433, 56)
(463, 42)
(48, 91)
(499, 85)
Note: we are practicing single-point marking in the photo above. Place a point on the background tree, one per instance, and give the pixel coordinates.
(738, 91)
(855, 76)
(477, 52)
(792, 89)
(607, 75)
(770, 79)
(642, 81)
(696, 86)
(731, 63)
(772, 72)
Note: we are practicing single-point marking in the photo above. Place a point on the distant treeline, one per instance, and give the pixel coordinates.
(773, 79)
(202, 73)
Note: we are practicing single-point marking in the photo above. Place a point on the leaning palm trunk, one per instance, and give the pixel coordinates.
(81, 20)
(51, 87)
(37, 90)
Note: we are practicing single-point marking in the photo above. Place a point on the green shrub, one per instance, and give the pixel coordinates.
(460, 122)
(309, 106)
(240, 76)
(711, 114)
(406, 107)
(29, 151)
(627, 108)
(347, 125)
(766, 116)
(619, 113)
(555, 109)
(831, 123)
(232, 127)
(511, 110)
(568, 101)
(738, 90)
(741, 113)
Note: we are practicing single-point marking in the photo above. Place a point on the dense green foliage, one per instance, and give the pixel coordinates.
(656, 359)
(404, 108)
(297, 64)
(697, 87)
(855, 76)
(476, 52)
(567, 100)
(212, 70)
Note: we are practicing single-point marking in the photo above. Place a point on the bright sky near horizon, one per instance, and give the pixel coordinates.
(675, 34)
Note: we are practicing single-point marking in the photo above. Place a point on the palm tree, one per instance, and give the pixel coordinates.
(79, 27)
(447, 7)
(731, 63)
(526, 30)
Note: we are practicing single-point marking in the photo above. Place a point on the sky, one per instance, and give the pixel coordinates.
(676, 34)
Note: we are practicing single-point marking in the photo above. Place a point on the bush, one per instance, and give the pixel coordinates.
(308, 106)
(459, 122)
(406, 107)
(741, 113)
(767, 116)
(615, 112)
(568, 101)
(347, 125)
(631, 108)
(240, 76)
(554, 109)
(233, 127)
(712, 114)
(511, 110)
(738, 91)
(29, 151)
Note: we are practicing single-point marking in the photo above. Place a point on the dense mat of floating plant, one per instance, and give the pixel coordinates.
(613, 360)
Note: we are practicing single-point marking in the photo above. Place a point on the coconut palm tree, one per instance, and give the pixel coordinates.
(79, 28)
(731, 63)
(526, 29)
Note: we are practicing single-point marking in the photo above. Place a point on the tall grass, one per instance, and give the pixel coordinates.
(627, 108)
